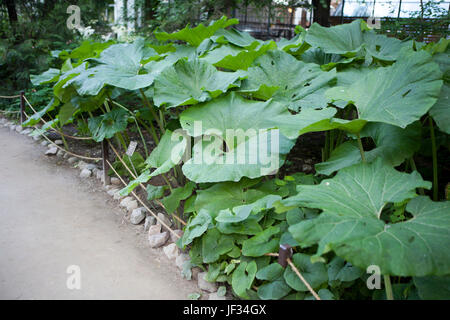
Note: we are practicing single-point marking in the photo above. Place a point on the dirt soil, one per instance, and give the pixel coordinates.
(51, 219)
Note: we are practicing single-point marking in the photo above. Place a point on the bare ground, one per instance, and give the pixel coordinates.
(50, 219)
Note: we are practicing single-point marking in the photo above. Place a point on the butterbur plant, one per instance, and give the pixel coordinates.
(224, 111)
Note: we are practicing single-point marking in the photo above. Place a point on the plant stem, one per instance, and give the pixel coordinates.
(331, 142)
(142, 138)
(361, 149)
(326, 148)
(434, 152)
(388, 287)
(147, 102)
(167, 181)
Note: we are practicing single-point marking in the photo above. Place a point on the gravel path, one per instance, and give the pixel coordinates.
(51, 220)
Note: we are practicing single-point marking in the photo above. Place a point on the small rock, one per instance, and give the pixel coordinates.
(158, 240)
(111, 192)
(19, 128)
(37, 138)
(171, 251)
(58, 142)
(306, 168)
(117, 196)
(85, 173)
(60, 153)
(164, 218)
(155, 229)
(72, 160)
(26, 131)
(308, 161)
(149, 221)
(205, 285)
(181, 259)
(115, 181)
(51, 151)
(109, 187)
(124, 202)
(173, 238)
(83, 165)
(44, 143)
(66, 155)
(215, 296)
(99, 174)
(138, 215)
(132, 205)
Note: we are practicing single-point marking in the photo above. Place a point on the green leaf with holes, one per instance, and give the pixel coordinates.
(388, 95)
(299, 85)
(191, 82)
(120, 65)
(350, 223)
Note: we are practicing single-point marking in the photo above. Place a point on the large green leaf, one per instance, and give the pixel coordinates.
(89, 49)
(196, 227)
(298, 84)
(226, 195)
(345, 39)
(382, 47)
(235, 37)
(393, 144)
(274, 290)
(243, 278)
(441, 110)
(36, 118)
(252, 149)
(262, 243)
(433, 287)
(51, 75)
(314, 273)
(215, 244)
(66, 112)
(234, 58)
(353, 230)
(190, 82)
(327, 61)
(241, 213)
(262, 154)
(341, 271)
(107, 125)
(195, 36)
(164, 157)
(172, 201)
(120, 65)
(394, 94)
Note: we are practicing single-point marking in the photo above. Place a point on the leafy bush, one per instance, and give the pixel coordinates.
(376, 99)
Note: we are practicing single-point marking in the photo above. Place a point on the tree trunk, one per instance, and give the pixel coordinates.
(12, 13)
(150, 9)
(321, 13)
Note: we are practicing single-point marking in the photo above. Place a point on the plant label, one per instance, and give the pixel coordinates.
(131, 148)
